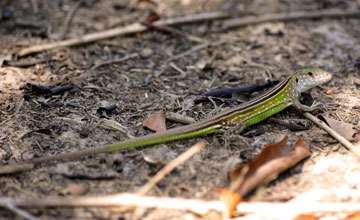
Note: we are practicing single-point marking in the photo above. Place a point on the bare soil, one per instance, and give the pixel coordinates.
(143, 85)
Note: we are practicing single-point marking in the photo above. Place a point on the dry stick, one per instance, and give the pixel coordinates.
(170, 166)
(19, 212)
(35, 6)
(129, 29)
(69, 17)
(238, 22)
(117, 200)
(337, 136)
(288, 210)
(138, 27)
(103, 123)
(171, 116)
(173, 65)
(198, 206)
(13, 168)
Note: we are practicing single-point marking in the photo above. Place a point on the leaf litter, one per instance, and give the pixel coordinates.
(232, 63)
(266, 166)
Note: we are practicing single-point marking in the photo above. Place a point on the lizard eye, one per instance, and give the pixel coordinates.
(297, 80)
(310, 73)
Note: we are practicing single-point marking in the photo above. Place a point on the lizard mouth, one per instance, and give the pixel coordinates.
(306, 98)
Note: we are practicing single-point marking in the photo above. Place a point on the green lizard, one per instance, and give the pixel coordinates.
(283, 95)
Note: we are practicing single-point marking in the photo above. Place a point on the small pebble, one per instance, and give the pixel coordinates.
(146, 53)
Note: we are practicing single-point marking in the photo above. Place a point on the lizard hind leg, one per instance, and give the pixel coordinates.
(233, 129)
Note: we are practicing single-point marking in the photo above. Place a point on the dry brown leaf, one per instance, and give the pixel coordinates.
(156, 122)
(230, 200)
(306, 217)
(353, 217)
(343, 128)
(74, 190)
(329, 92)
(273, 159)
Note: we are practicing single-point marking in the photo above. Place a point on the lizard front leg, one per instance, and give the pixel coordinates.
(315, 105)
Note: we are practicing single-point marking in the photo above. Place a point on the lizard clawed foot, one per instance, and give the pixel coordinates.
(232, 129)
(235, 138)
(315, 105)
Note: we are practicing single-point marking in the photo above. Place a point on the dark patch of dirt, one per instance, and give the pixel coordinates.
(143, 85)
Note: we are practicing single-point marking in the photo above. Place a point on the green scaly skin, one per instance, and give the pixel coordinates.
(283, 95)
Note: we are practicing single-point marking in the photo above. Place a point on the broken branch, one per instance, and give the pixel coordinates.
(117, 200)
(170, 166)
(355, 151)
(129, 29)
(238, 22)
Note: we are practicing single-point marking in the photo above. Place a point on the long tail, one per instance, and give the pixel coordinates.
(184, 132)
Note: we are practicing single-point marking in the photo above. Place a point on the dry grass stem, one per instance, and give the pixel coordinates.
(118, 200)
(170, 166)
(250, 20)
(129, 29)
(355, 151)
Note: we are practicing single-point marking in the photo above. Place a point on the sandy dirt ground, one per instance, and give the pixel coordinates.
(36, 124)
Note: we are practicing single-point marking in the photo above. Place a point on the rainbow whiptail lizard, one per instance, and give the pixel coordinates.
(281, 96)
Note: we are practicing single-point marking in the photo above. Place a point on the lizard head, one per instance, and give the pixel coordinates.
(309, 78)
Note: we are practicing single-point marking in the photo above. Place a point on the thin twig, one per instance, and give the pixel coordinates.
(272, 209)
(13, 168)
(355, 151)
(179, 118)
(289, 210)
(238, 22)
(175, 67)
(170, 166)
(129, 29)
(118, 200)
(38, 144)
(69, 17)
(19, 212)
(103, 123)
(35, 6)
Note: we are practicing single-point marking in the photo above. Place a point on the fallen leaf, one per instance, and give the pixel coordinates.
(353, 217)
(201, 64)
(305, 217)
(272, 160)
(329, 92)
(151, 160)
(74, 190)
(230, 200)
(343, 128)
(155, 122)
